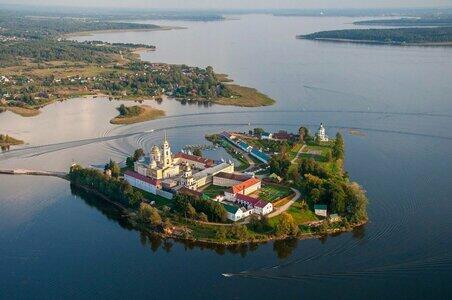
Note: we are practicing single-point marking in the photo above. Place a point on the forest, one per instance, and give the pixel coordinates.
(387, 36)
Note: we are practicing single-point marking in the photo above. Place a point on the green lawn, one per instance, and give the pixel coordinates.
(299, 215)
(214, 190)
(271, 193)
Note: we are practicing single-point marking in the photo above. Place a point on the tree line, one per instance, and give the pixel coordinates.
(112, 187)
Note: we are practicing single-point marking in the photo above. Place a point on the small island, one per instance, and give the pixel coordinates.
(294, 187)
(7, 141)
(437, 36)
(136, 114)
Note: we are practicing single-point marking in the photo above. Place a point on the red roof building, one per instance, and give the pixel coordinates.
(195, 159)
(143, 178)
(250, 201)
(247, 187)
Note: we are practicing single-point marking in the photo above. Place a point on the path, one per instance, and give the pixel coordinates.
(286, 206)
(298, 154)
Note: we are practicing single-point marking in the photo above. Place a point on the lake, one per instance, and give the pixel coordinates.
(58, 242)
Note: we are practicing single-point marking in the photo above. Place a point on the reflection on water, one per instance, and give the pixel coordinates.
(282, 248)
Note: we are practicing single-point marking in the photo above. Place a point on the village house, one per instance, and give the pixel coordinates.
(246, 187)
(321, 210)
(258, 206)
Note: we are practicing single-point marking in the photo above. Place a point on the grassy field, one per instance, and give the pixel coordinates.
(246, 97)
(272, 193)
(214, 190)
(147, 113)
(299, 215)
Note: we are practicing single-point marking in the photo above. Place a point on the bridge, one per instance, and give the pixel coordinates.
(33, 173)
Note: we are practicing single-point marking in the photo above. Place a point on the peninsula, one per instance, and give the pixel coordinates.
(41, 66)
(295, 187)
(437, 36)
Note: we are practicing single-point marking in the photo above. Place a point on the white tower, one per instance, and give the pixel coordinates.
(167, 160)
(321, 135)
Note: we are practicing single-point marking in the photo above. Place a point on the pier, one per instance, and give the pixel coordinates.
(33, 173)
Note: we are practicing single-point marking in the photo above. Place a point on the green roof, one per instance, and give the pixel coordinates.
(231, 209)
(320, 206)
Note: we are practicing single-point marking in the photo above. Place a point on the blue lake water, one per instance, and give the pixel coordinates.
(58, 242)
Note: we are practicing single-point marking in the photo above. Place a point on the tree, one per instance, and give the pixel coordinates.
(202, 217)
(197, 152)
(286, 225)
(328, 155)
(238, 232)
(190, 211)
(138, 154)
(114, 168)
(303, 133)
(356, 202)
(149, 214)
(258, 132)
(129, 162)
(220, 234)
(338, 147)
(259, 225)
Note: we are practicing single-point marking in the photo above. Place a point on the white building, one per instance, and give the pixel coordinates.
(257, 205)
(206, 176)
(321, 135)
(236, 213)
(142, 182)
(321, 210)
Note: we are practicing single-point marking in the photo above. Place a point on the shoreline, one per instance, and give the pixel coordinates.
(371, 42)
(92, 32)
(202, 241)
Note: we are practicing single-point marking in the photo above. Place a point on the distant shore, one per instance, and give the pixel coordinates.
(371, 42)
(90, 33)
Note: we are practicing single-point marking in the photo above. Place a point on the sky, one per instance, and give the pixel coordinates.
(237, 4)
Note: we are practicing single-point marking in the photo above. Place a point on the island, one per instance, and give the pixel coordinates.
(6, 141)
(294, 187)
(41, 66)
(136, 114)
(437, 36)
(445, 20)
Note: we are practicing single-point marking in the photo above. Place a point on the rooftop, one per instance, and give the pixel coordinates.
(207, 162)
(142, 177)
(320, 206)
(233, 176)
(210, 171)
(255, 202)
(230, 208)
(244, 185)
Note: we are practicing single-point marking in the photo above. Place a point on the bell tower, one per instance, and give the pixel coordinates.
(167, 160)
